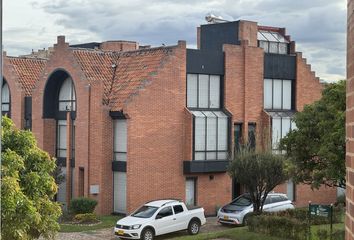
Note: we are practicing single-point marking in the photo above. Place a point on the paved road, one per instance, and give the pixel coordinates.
(107, 234)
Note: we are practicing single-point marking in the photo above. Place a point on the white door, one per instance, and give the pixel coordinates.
(165, 221)
(120, 192)
(190, 192)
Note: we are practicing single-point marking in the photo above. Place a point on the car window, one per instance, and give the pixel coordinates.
(276, 199)
(165, 212)
(177, 209)
(243, 200)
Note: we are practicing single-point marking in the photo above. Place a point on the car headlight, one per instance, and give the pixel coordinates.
(136, 226)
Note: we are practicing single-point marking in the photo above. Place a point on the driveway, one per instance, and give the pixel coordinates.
(108, 234)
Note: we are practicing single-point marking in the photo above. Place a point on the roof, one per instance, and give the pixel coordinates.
(160, 203)
(28, 71)
(122, 74)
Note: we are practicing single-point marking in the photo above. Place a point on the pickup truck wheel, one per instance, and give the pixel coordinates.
(193, 227)
(147, 234)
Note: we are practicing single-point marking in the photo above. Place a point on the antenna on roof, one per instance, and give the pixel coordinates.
(211, 18)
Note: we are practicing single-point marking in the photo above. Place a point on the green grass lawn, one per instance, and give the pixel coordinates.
(108, 221)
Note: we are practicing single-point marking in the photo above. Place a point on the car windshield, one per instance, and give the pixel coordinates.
(242, 201)
(145, 212)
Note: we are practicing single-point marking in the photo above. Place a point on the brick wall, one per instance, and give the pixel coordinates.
(349, 220)
(17, 102)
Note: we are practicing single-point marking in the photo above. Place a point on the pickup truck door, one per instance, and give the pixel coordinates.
(164, 221)
(181, 217)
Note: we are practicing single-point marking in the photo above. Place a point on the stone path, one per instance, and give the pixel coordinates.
(108, 234)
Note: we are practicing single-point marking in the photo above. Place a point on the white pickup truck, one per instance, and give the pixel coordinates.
(160, 217)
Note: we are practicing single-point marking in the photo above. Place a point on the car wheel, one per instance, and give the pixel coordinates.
(147, 234)
(193, 227)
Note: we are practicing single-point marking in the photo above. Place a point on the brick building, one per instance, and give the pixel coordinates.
(129, 124)
(349, 221)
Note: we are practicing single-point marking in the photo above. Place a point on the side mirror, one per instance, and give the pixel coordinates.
(158, 216)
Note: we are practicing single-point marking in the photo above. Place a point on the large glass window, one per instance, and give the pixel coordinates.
(210, 135)
(277, 94)
(203, 91)
(120, 140)
(238, 136)
(67, 97)
(5, 98)
(61, 138)
(272, 42)
(281, 126)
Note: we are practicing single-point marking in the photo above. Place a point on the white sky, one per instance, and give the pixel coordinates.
(318, 26)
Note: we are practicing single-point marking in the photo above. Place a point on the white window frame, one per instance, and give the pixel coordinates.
(285, 100)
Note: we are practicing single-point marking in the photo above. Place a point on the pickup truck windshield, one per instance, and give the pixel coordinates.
(145, 212)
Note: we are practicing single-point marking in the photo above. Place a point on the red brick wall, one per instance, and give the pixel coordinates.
(349, 220)
(119, 46)
(308, 86)
(45, 129)
(17, 102)
(155, 135)
(248, 31)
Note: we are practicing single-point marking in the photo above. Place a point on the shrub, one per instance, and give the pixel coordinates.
(82, 205)
(282, 227)
(85, 218)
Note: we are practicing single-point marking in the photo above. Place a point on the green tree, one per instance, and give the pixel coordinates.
(259, 172)
(27, 187)
(317, 147)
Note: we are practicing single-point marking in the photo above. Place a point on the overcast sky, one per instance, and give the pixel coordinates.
(318, 26)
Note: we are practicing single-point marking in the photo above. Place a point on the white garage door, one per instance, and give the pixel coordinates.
(120, 192)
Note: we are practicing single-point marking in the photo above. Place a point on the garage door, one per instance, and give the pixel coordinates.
(120, 192)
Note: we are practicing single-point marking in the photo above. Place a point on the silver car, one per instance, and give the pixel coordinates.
(237, 212)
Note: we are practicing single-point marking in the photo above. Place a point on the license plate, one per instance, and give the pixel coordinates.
(120, 232)
(226, 217)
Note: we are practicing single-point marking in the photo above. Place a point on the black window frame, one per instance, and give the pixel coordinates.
(221, 92)
(8, 112)
(278, 44)
(238, 136)
(281, 129)
(57, 148)
(114, 152)
(206, 137)
(71, 101)
(252, 141)
(292, 107)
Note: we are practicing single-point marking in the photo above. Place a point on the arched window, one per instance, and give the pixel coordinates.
(67, 98)
(5, 98)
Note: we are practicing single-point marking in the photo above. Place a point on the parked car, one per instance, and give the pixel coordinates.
(237, 212)
(160, 217)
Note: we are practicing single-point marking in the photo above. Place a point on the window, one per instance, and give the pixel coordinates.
(165, 212)
(277, 94)
(203, 91)
(120, 140)
(272, 42)
(5, 98)
(178, 209)
(238, 135)
(210, 135)
(252, 135)
(281, 126)
(67, 97)
(61, 138)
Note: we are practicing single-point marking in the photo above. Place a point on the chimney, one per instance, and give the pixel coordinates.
(119, 45)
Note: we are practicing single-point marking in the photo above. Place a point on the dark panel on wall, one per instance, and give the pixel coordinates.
(28, 112)
(50, 99)
(117, 115)
(278, 66)
(91, 45)
(119, 166)
(205, 62)
(204, 166)
(213, 36)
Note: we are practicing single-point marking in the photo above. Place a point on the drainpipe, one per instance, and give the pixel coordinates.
(88, 141)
